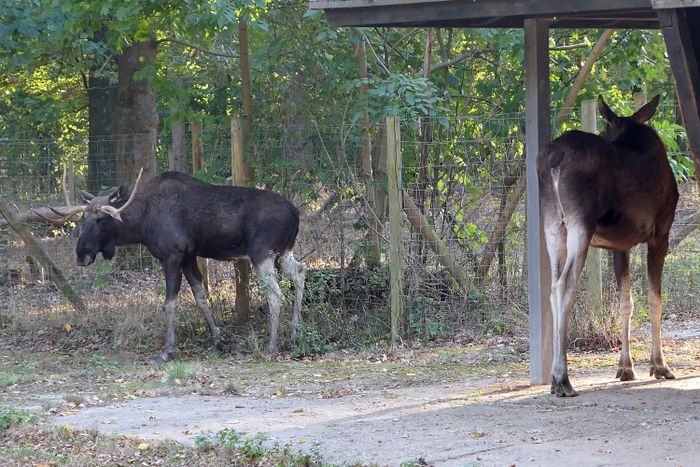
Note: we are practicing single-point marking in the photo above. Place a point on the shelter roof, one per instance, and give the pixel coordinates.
(630, 14)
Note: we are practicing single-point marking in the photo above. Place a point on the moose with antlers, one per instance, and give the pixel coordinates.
(178, 218)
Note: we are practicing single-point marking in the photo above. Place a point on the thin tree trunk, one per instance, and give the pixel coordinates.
(373, 250)
(244, 174)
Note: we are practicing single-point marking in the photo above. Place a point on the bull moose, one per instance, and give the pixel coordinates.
(179, 218)
(612, 191)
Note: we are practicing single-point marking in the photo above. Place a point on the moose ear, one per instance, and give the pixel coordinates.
(605, 111)
(114, 195)
(645, 113)
(87, 197)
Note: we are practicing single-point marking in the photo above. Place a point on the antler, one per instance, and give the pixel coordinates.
(70, 210)
(116, 213)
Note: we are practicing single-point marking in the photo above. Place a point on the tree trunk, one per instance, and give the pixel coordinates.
(136, 119)
(244, 174)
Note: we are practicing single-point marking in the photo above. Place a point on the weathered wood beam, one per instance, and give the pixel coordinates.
(679, 27)
(491, 13)
(537, 134)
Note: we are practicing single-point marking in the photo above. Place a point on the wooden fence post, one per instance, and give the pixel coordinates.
(592, 273)
(394, 169)
(197, 151)
(239, 177)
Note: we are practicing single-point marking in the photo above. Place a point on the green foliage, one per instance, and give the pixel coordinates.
(310, 342)
(102, 270)
(11, 417)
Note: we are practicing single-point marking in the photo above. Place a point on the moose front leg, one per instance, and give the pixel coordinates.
(173, 280)
(621, 259)
(655, 264)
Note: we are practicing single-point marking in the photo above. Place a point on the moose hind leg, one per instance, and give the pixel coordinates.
(655, 264)
(297, 272)
(267, 276)
(625, 369)
(196, 281)
(577, 240)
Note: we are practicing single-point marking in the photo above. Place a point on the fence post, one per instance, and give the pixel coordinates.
(239, 177)
(394, 169)
(592, 273)
(202, 263)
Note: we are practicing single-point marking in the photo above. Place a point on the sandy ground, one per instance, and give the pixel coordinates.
(644, 422)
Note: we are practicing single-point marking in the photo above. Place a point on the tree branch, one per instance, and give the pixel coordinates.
(192, 46)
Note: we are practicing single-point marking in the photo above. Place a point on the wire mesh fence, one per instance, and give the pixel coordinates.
(464, 176)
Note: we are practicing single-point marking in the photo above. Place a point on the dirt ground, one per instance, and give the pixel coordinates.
(439, 413)
(642, 423)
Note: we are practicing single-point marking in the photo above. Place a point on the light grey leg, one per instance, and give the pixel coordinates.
(297, 272)
(267, 276)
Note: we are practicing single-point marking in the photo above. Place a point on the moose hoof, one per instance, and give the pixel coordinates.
(626, 374)
(562, 388)
(661, 372)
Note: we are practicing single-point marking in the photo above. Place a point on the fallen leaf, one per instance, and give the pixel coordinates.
(142, 446)
(477, 434)
(299, 410)
(68, 327)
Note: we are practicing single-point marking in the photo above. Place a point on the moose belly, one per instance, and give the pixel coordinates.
(619, 239)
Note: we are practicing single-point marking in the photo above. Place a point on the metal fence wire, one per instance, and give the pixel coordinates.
(464, 175)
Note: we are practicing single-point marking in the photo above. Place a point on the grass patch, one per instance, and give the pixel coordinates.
(47, 445)
(12, 417)
(23, 374)
(178, 373)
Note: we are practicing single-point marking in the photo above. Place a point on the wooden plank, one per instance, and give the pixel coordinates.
(394, 169)
(537, 134)
(659, 4)
(683, 48)
(494, 7)
(492, 13)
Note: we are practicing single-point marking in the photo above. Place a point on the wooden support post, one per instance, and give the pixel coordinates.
(683, 47)
(39, 253)
(592, 273)
(421, 224)
(537, 134)
(394, 169)
(239, 177)
(202, 263)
